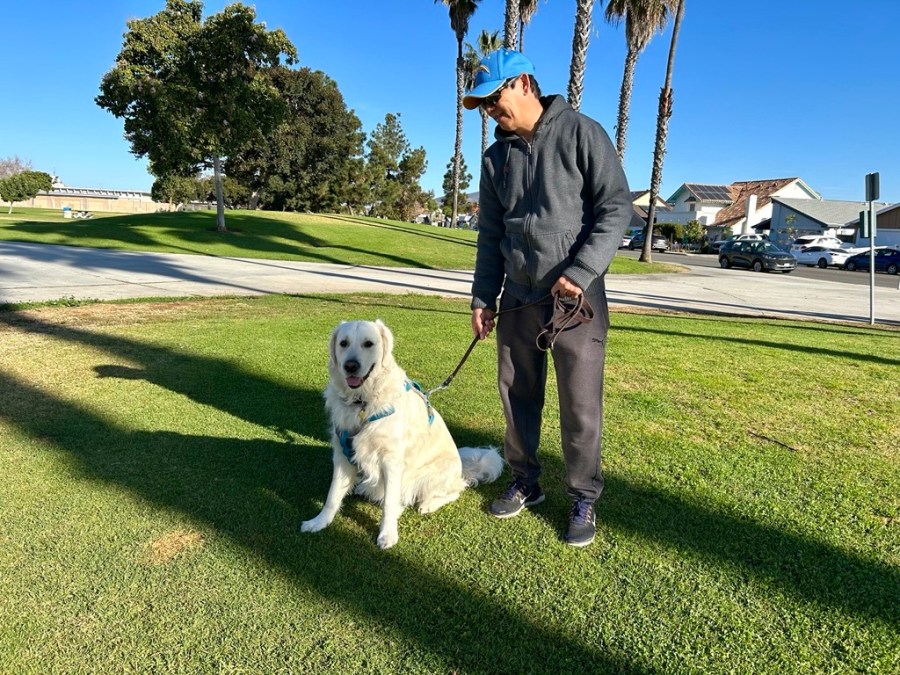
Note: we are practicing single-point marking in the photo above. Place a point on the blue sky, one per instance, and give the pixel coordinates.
(768, 89)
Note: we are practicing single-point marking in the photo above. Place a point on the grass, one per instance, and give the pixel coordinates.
(337, 239)
(156, 459)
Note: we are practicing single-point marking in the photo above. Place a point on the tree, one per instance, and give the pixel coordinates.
(175, 189)
(193, 92)
(662, 131)
(527, 8)
(465, 179)
(393, 171)
(460, 13)
(581, 38)
(10, 166)
(642, 18)
(487, 43)
(511, 24)
(24, 185)
(300, 164)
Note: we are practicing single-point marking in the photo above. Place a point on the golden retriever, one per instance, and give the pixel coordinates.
(389, 443)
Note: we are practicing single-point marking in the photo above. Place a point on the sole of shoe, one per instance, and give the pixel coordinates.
(579, 544)
(521, 508)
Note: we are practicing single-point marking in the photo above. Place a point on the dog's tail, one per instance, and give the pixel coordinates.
(480, 465)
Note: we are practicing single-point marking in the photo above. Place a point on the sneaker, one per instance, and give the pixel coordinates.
(582, 523)
(515, 498)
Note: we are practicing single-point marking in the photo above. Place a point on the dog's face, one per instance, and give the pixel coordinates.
(359, 349)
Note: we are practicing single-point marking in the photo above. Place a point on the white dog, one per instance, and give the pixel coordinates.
(388, 441)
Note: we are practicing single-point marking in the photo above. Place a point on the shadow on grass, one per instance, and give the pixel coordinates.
(257, 491)
(801, 348)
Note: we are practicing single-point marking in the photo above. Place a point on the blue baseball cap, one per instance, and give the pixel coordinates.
(495, 69)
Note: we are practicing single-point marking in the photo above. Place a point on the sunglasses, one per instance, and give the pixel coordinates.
(491, 101)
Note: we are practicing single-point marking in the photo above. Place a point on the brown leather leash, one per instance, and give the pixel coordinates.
(568, 313)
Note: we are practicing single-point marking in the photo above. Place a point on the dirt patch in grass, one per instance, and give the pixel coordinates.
(171, 545)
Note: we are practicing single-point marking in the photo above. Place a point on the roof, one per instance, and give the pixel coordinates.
(741, 190)
(828, 212)
(66, 191)
(702, 192)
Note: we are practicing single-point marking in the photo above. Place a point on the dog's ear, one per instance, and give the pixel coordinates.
(332, 344)
(387, 342)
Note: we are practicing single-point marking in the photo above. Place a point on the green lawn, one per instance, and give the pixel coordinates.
(338, 239)
(157, 458)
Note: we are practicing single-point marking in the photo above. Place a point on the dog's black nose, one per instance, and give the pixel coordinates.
(351, 366)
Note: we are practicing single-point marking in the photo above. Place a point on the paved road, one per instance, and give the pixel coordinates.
(34, 272)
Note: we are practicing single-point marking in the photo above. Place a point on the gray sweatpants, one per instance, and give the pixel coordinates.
(578, 358)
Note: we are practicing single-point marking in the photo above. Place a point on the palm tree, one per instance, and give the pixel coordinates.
(460, 13)
(527, 8)
(662, 131)
(642, 18)
(487, 43)
(580, 41)
(511, 24)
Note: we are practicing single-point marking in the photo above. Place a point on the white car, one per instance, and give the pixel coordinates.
(821, 256)
(815, 240)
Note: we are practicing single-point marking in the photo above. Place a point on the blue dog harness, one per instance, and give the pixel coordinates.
(345, 438)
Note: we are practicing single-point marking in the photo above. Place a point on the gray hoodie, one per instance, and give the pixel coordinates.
(556, 206)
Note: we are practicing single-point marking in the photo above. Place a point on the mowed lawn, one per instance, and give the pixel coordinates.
(336, 239)
(157, 458)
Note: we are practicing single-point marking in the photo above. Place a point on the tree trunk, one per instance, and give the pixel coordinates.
(457, 148)
(625, 102)
(511, 24)
(220, 201)
(580, 41)
(666, 97)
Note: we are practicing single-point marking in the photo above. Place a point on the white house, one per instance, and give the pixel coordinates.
(697, 201)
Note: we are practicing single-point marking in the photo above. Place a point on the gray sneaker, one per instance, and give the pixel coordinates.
(515, 498)
(582, 523)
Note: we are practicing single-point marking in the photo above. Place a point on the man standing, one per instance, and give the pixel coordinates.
(553, 206)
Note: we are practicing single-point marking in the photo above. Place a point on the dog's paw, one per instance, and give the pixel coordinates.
(313, 525)
(387, 539)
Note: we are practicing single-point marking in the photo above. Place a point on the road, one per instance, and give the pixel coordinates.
(831, 274)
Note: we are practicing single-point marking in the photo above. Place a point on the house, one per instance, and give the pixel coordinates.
(728, 210)
(887, 227)
(793, 217)
(640, 202)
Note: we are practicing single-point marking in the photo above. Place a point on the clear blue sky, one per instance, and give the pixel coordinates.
(767, 89)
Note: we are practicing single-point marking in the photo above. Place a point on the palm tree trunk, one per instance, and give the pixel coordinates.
(457, 148)
(666, 97)
(511, 24)
(580, 41)
(625, 102)
(220, 201)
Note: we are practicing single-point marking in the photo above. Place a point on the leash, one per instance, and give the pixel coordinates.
(571, 315)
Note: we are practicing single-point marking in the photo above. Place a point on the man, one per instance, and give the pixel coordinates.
(553, 206)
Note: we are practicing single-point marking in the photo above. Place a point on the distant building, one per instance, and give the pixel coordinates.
(98, 200)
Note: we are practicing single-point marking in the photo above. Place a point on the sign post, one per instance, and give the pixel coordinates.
(872, 189)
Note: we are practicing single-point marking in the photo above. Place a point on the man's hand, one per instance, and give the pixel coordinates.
(482, 322)
(566, 288)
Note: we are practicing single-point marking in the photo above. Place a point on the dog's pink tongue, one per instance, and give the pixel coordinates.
(353, 381)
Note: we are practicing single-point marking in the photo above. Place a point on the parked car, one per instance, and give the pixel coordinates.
(659, 242)
(887, 259)
(719, 243)
(625, 241)
(820, 256)
(756, 255)
(815, 240)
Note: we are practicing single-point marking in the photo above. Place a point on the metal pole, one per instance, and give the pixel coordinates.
(871, 263)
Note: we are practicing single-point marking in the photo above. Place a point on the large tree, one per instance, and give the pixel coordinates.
(465, 179)
(24, 185)
(511, 24)
(487, 43)
(666, 96)
(460, 13)
(527, 8)
(300, 165)
(10, 166)
(393, 170)
(642, 19)
(581, 38)
(194, 91)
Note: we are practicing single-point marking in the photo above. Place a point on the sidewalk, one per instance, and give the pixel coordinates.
(34, 272)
